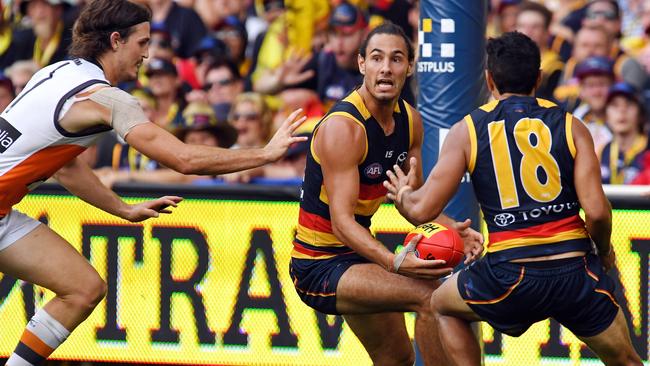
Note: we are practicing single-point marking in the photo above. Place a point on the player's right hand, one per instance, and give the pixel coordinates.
(608, 260)
(412, 266)
(283, 138)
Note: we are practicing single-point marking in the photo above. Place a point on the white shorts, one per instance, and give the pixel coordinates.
(14, 226)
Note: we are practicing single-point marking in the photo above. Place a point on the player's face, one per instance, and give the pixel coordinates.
(132, 52)
(385, 66)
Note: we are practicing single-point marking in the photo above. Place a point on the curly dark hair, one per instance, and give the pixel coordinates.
(513, 60)
(92, 30)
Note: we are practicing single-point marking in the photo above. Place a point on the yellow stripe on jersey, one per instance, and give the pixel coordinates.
(489, 107)
(355, 99)
(340, 114)
(409, 113)
(471, 130)
(568, 131)
(502, 163)
(531, 241)
(363, 207)
(317, 238)
(545, 103)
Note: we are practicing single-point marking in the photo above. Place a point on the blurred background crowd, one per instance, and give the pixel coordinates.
(227, 72)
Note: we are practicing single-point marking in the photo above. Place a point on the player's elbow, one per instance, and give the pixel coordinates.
(420, 214)
(183, 162)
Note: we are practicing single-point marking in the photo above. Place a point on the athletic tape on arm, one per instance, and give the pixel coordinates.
(399, 258)
(126, 112)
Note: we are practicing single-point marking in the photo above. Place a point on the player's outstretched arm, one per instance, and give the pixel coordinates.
(79, 179)
(587, 180)
(340, 145)
(160, 145)
(427, 202)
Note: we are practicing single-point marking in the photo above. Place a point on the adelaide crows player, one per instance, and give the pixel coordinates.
(533, 167)
(337, 266)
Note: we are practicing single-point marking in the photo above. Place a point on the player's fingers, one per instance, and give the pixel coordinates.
(414, 241)
(393, 178)
(398, 171)
(461, 226)
(390, 188)
(391, 196)
(297, 124)
(292, 117)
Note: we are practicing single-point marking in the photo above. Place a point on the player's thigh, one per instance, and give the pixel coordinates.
(613, 345)
(368, 288)
(446, 300)
(383, 333)
(44, 258)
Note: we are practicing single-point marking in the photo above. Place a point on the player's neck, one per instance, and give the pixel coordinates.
(106, 65)
(500, 96)
(382, 111)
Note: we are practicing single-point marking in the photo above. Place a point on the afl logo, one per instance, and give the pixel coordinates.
(504, 219)
(373, 171)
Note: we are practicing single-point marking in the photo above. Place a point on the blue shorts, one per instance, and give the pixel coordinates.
(513, 296)
(316, 279)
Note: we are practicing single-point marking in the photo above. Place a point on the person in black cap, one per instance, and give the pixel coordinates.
(595, 76)
(621, 159)
(48, 39)
(183, 24)
(166, 88)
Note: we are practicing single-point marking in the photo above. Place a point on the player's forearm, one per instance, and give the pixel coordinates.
(362, 242)
(600, 230)
(80, 180)
(414, 208)
(204, 160)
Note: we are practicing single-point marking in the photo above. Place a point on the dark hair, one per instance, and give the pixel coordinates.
(513, 61)
(388, 28)
(537, 8)
(92, 30)
(228, 64)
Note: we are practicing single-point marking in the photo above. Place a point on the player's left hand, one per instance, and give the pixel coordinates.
(148, 209)
(472, 240)
(398, 182)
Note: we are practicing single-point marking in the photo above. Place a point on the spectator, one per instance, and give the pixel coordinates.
(505, 17)
(47, 40)
(20, 72)
(596, 76)
(209, 51)
(232, 33)
(622, 159)
(222, 85)
(166, 89)
(7, 52)
(534, 20)
(7, 93)
(606, 13)
(184, 25)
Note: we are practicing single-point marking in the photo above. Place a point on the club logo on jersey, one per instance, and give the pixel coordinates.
(373, 171)
(8, 135)
(401, 158)
(504, 219)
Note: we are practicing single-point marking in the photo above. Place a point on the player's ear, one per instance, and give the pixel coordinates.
(489, 81)
(539, 79)
(411, 69)
(362, 64)
(115, 40)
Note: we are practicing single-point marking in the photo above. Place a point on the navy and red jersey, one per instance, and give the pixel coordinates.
(521, 165)
(314, 237)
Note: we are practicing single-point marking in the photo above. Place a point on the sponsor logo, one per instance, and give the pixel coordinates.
(548, 210)
(504, 219)
(373, 171)
(8, 135)
(401, 158)
(446, 52)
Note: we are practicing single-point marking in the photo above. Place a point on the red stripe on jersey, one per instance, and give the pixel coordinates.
(39, 166)
(314, 222)
(543, 230)
(314, 253)
(372, 191)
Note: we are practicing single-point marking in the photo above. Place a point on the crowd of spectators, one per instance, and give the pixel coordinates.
(226, 72)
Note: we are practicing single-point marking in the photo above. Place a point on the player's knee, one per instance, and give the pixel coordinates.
(89, 294)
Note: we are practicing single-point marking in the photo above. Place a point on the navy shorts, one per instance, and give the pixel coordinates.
(513, 296)
(316, 279)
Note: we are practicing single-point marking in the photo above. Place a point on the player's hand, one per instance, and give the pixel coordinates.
(398, 182)
(608, 260)
(283, 138)
(407, 264)
(148, 209)
(472, 240)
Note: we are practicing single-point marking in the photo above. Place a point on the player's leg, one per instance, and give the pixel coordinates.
(367, 288)
(454, 318)
(384, 337)
(613, 345)
(44, 258)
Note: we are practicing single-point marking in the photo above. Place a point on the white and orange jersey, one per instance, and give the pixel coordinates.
(33, 145)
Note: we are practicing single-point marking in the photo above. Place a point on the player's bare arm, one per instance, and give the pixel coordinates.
(598, 211)
(79, 179)
(340, 145)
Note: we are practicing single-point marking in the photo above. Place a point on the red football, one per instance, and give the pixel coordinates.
(438, 242)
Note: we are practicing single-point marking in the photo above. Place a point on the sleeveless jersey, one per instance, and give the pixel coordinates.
(33, 146)
(521, 165)
(314, 237)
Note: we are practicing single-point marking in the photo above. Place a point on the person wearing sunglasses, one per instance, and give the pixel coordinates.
(222, 84)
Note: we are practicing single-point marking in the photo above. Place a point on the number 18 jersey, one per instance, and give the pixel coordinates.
(521, 166)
